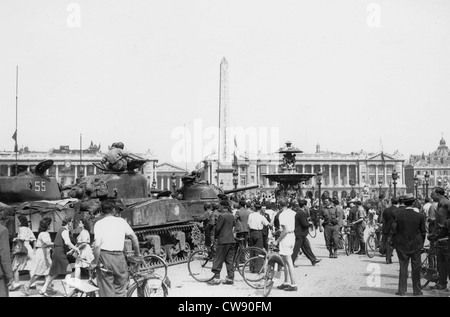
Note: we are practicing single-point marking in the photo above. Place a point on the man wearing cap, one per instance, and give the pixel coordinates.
(409, 235)
(441, 230)
(225, 245)
(116, 158)
(241, 217)
(388, 219)
(330, 227)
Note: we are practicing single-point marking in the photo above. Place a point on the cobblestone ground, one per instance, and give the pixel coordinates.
(354, 275)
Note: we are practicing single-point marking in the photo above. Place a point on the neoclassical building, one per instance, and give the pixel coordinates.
(69, 164)
(436, 163)
(342, 173)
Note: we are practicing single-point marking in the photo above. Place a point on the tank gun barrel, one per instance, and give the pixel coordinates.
(240, 189)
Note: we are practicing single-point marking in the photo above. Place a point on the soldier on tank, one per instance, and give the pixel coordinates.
(116, 159)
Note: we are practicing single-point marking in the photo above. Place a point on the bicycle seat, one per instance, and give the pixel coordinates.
(275, 258)
(135, 259)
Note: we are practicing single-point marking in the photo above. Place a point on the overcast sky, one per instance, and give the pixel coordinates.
(346, 74)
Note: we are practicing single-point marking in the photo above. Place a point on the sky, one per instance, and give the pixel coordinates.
(348, 75)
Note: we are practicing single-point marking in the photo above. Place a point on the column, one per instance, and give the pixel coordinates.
(339, 175)
(376, 175)
(329, 177)
(95, 170)
(56, 172)
(76, 173)
(348, 175)
(85, 170)
(9, 170)
(302, 168)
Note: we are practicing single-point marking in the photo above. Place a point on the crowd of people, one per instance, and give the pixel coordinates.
(404, 223)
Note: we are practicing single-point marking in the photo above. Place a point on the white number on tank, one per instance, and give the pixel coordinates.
(39, 186)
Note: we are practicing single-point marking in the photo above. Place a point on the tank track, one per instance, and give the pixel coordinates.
(141, 233)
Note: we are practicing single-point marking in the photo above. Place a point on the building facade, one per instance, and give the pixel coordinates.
(437, 164)
(168, 176)
(68, 164)
(344, 175)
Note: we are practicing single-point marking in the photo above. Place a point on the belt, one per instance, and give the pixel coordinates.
(255, 230)
(121, 251)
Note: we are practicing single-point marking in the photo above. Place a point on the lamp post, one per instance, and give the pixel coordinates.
(174, 182)
(380, 183)
(235, 182)
(154, 183)
(319, 183)
(427, 182)
(416, 184)
(394, 178)
(352, 183)
(221, 183)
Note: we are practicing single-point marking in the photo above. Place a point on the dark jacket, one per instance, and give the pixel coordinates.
(224, 228)
(242, 220)
(442, 219)
(408, 230)
(301, 224)
(388, 219)
(6, 272)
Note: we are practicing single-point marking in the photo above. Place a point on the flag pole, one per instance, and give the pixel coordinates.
(17, 99)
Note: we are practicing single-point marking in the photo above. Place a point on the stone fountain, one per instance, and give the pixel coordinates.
(288, 178)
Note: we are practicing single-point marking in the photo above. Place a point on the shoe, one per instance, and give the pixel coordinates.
(331, 255)
(25, 289)
(291, 288)
(439, 287)
(14, 288)
(228, 282)
(45, 294)
(419, 293)
(400, 294)
(316, 261)
(283, 286)
(388, 262)
(214, 281)
(335, 254)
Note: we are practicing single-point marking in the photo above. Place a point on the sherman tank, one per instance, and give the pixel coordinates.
(196, 192)
(162, 224)
(35, 195)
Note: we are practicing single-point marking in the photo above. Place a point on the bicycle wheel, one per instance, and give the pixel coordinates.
(253, 271)
(312, 232)
(153, 266)
(346, 245)
(152, 287)
(200, 265)
(244, 255)
(268, 279)
(355, 244)
(371, 246)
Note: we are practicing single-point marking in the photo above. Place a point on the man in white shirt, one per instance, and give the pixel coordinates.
(287, 242)
(110, 233)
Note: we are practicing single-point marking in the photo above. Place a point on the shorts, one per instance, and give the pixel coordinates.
(287, 244)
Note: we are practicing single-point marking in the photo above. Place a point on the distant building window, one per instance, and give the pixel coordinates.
(242, 168)
(418, 172)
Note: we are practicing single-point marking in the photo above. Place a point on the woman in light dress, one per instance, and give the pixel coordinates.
(22, 262)
(83, 243)
(42, 258)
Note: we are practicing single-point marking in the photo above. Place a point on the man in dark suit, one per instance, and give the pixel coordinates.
(6, 273)
(388, 219)
(301, 235)
(242, 230)
(409, 235)
(225, 244)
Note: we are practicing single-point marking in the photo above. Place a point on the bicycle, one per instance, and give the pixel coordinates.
(147, 278)
(428, 269)
(373, 244)
(260, 271)
(345, 236)
(200, 262)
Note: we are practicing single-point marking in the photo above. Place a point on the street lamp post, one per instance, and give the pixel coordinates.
(416, 184)
(380, 183)
(235, 182)
(394, 177)
(174, 182)
(390, 186)
(319, 183)
(427, 182)
(154, 183)
(221, 183)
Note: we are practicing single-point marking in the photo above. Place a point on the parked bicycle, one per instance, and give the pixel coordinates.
(373, 244)
(260, 271)
(147, 278)
(428, 270)
(200, 262)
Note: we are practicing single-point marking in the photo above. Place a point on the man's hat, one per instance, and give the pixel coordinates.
(408, 197)
(165, 193)
(258, 206)
(222, 196)
(225, 203)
